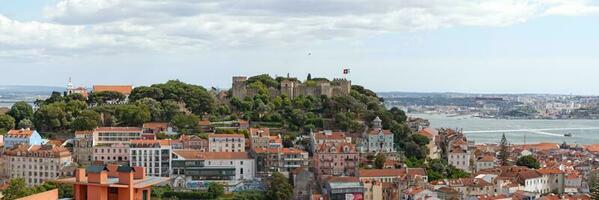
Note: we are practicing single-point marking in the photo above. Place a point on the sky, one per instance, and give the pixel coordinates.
(475, 46)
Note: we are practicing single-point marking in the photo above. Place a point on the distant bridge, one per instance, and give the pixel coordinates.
(540, 131)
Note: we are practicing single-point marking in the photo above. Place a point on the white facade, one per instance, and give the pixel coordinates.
(536, 185)
(226, 143)
(460, 160)
(37, 164)
(153, 155)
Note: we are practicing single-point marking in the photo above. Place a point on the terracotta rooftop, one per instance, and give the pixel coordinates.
(118, 129)
(279, 150)
(381, 172)
(189, 154)
(429, 132)
(161, 142)
(155, 125)
(20, 133)
(259, 132)
(486, 158)
(330, 136)
(225, 136)
(549, 171)
(38, 151)
(124, 89)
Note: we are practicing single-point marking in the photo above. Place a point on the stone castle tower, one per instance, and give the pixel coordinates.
(291, 87)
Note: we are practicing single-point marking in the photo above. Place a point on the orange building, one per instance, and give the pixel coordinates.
(112, 182)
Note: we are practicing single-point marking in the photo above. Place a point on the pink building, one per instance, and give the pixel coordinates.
(336, 159)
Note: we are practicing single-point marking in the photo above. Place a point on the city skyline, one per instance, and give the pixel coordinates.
(413, 46)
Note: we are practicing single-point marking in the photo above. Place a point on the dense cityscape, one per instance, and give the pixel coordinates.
(272, 138)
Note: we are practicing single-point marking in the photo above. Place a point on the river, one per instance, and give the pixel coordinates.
(519, 131)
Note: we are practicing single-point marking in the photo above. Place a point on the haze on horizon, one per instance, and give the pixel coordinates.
(494, 46)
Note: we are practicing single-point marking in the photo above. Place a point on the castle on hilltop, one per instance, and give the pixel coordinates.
(291, 87)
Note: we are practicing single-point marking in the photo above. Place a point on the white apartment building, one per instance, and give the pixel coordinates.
(226, 143)
(193, 169)
(459, 158)
(37, 163)
(153, 155)
(114, 135)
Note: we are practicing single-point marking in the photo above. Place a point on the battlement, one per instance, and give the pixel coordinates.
(292, 87)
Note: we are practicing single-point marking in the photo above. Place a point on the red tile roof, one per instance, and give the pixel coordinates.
(124, 89)
(279, 150)
(19, 133)
(118, 129)
(161, 142)
(155, 125)
(225, 136)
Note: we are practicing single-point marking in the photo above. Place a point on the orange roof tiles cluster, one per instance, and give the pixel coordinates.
(124, 89)
(279, 150)
(19, 133)
(118, 129)
(225, 136)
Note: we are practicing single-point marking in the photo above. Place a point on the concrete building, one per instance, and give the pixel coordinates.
(336, 159)
(432, 135)
(322, 137)
(459, 158)
(485, 162)
(226, 143)
(533, 181)
(343, 187)
(83, 147)
(555, 179)
(158, 127)
(21, 136)
(111, 153)
(193, 142)
(193, 169)
(377, 139)
(293, 88)
(284, 160)
(37, 163)
(114, 135)
(261, 138)
(153, 155)
(99, 182)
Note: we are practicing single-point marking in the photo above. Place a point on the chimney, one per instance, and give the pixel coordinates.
(80, 175)
(140, 172)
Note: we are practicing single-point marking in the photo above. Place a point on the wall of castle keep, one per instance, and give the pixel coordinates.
(293, 89)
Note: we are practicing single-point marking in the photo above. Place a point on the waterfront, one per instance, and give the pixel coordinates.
(519, 131)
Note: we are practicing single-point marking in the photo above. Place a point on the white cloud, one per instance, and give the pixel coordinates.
(84, 27)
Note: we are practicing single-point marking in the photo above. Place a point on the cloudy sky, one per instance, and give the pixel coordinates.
(511, 46)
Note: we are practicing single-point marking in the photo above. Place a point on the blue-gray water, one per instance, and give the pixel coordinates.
(533, 131)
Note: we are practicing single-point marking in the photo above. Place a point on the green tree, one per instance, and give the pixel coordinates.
(132, 115)
(21, 110)
(105, 97)
(186, 124)
(196, 98)
(249, 195)
(528, 161)
(25, 123)
(17, 188)
(87, 120)
(146, 92)
(278, 187)
(6, 123)
(420, 139)
(51, 117)
(216, 190)
(379, 161)
(155, 108)
(504, 153)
